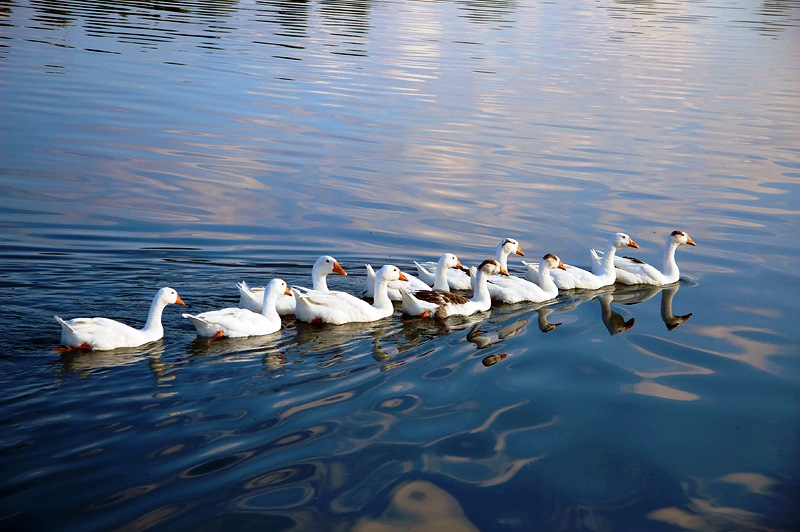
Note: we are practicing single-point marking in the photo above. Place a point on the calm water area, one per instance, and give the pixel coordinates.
(201, 143)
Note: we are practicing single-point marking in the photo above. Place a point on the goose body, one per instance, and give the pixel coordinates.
(459, 279)
(253, 298)
(629, 270)
(513, 289)
(442, 304)
(241, 322)
(440, 281)
(102, 334)
(339, 307)
(577, 278)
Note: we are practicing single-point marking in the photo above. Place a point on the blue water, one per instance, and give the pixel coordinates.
(199, 144)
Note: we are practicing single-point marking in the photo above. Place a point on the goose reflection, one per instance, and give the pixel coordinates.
(268, 347)
(628, 295)
(482, 340)
(87, 362)
(671, 320)
(613, 321)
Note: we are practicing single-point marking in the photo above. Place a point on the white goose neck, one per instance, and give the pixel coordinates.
(268, 309)
(502, 256)
(153, 326)
(670, 267)
(546, 282)
(607, 264)
(319, 279)
(440, 282)
(380, 297)
(481, 294)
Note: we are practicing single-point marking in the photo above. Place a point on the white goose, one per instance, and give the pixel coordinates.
(573, 277)
(441, 304)
(634, 271)
(339, 307)
(241, 322)
(515, 289)
(459, 279)
(446, 261)
(102, 334)
(253, 298)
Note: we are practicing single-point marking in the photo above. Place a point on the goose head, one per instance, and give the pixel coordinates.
(327, 264)
(682, 238)
(511, 246)
(552, 262)
(278, 286)
(448, 260)
(168, 296)
(391, 273)
(492, 267)
(621, 240)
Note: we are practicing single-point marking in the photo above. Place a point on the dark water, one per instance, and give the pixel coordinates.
(199, 144)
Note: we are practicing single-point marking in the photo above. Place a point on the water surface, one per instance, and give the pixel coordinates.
(200, 144)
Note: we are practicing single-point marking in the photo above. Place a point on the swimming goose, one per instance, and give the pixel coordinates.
(241, 322)
(102, 334)
(459, 279)
(574, 277)
(514, 289)
(446, 261)
(441, 304)
(634, 271)
(339, 307)
(253, 298)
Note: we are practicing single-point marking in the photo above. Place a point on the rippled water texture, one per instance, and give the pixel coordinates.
(197, 144)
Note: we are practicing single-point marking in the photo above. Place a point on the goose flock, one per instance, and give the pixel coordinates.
(430, 294)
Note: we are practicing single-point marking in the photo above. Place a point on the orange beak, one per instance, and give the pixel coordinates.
(503, 271)
(403, 277)
(561, 266)
(690, 241)
(287, 292)
(520, 252)
(633, 244)
(461, 267)
(337, 268)
(180, 302)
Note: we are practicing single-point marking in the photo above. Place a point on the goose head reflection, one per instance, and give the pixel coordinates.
(615, 323)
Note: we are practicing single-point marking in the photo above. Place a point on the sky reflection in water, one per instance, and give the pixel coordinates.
(204, 143)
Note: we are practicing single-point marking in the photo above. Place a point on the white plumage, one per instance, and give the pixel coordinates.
(240, 322)
(102, 334)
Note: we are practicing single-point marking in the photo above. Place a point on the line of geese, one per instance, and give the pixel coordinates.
(428, 295)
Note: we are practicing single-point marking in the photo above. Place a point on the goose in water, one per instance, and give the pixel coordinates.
(102, 334)
(339, 307)
(242, 322)
(573, 277)
(514, 289)
(441, 304)
(634, 271)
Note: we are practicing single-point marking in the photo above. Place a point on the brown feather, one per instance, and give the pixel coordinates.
(440, 297)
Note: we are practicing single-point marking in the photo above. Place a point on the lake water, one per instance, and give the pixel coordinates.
(197, 144)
